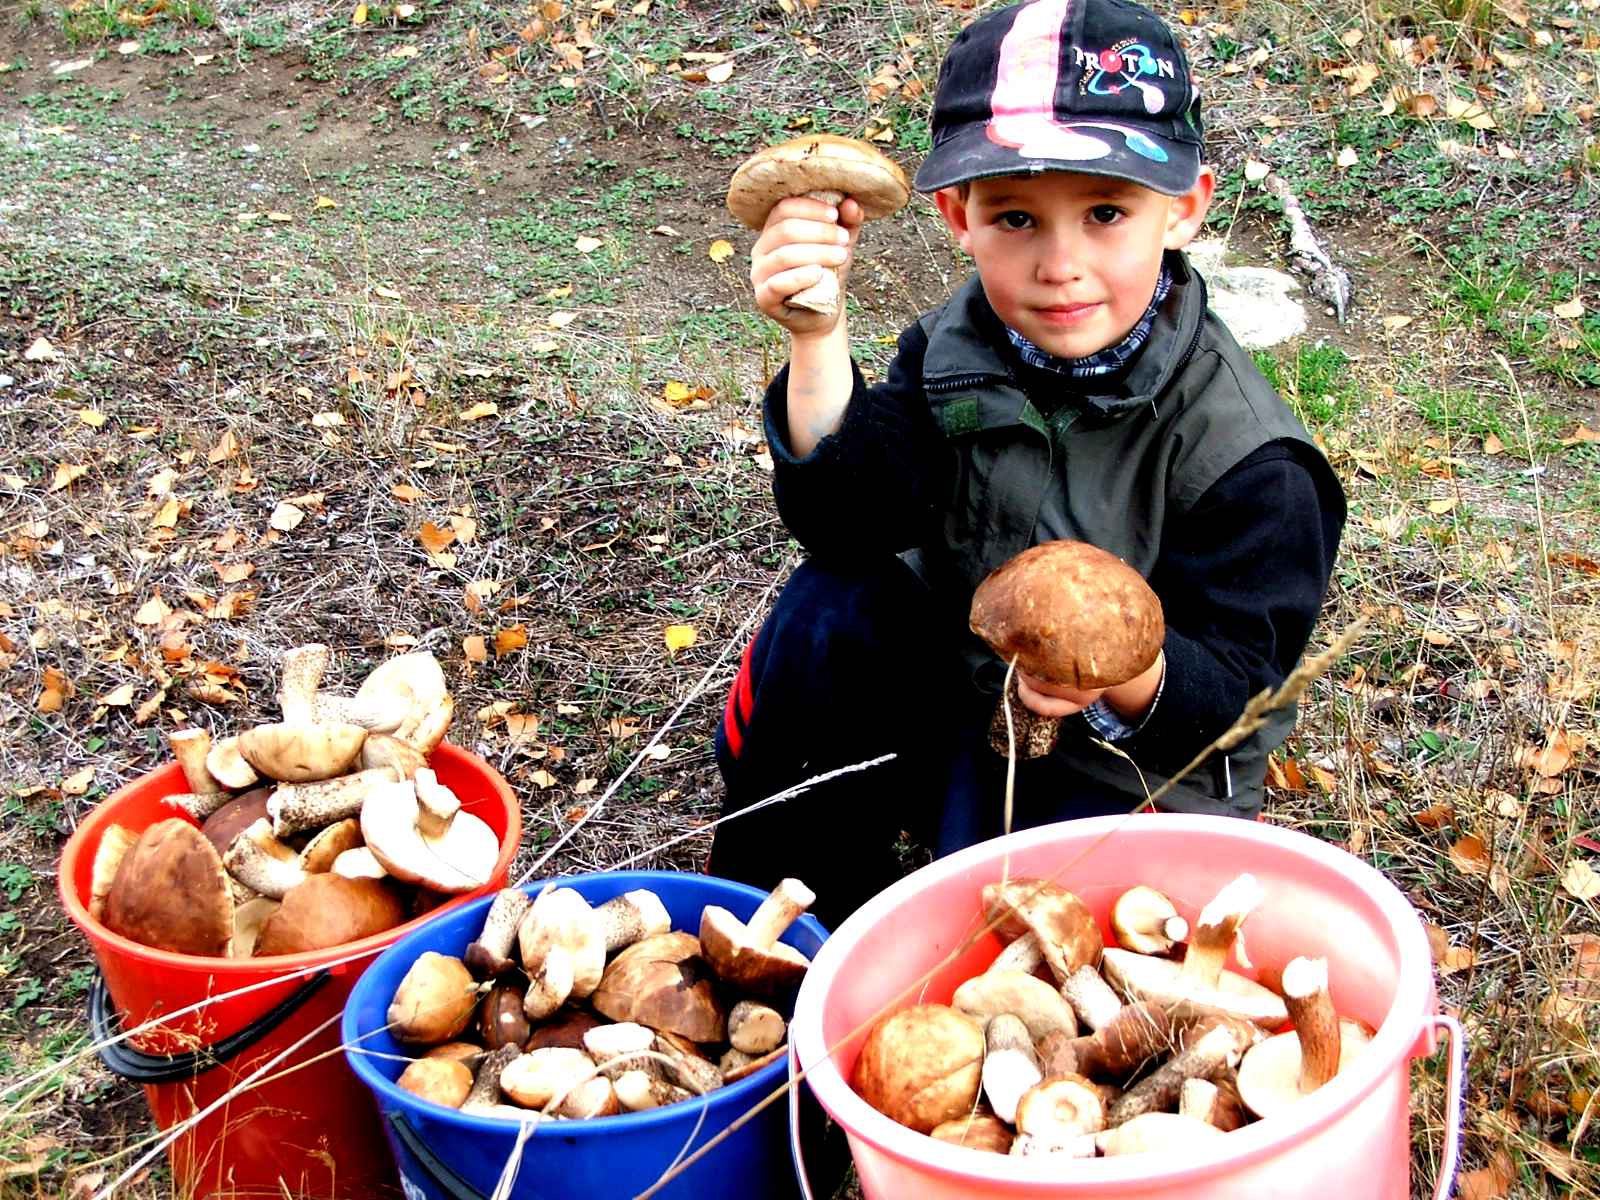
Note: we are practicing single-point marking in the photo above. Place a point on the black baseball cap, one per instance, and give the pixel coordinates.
(1096, 86)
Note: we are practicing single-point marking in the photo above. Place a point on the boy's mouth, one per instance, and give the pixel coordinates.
(1067, 314)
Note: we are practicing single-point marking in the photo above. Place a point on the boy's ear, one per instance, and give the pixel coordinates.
(1188, 211)
(954, 211)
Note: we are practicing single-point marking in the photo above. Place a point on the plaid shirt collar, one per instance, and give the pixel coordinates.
(1101, 362)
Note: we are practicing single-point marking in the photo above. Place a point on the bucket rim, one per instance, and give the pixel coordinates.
(103, 814)
(1391, 1044)
(389, 1095)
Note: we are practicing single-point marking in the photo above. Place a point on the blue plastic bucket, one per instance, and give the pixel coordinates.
(444, 1154)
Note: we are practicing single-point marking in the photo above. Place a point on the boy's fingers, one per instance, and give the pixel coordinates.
(1049, 700)
(786, 258)
(798, 232)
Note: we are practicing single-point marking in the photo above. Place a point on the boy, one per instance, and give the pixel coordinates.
(1075, 387)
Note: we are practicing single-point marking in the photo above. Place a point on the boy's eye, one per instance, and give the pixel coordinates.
(1104, 214)
(1013, 220)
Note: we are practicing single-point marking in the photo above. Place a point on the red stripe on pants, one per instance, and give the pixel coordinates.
(741, 699)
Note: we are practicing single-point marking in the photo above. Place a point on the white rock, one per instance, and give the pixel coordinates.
(1254, 302)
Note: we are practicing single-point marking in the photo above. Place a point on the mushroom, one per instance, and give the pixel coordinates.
(262, 863)
(484, 1097)
(385, 750)
(566, 1028)
(1144, 920)
(296, 807)
(437, 1080)
(248, 918)
(1038, 1005)
(1166, 1133)
(490, 954)
(685, 1065)
(619, 1047)
(1091, 998)
(537, 1077)
(664, 983)
(978, 1131)
(325, 847)
(1010, 1066)
(116, 841)
(190, 747)
(414, 685)
(302, 751)
(755, 1028)
(501, 1020)
(562, 950)
(824, 167)
(234, 817)
(359, 862)
(1119, 1048)
(638, 1091)
(1066, 930)
(1199, 985)
(921, 1066)
(1280, 1070)
(1215, 1104)
(749, 956)
(627, 918)
(1070, 614)
(171, 892)
(328, 910)
(457, 856)
(736, 1064)
(1059, 1110)
(1213, 1049)
(228, 767)
(434, 1001)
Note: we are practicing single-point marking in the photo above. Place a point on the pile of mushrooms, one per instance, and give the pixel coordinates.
(1071, 1048)
(322, 828)
(577, 1011)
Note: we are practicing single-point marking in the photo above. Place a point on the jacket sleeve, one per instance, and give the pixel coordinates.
(1241, 579)
(873, 486)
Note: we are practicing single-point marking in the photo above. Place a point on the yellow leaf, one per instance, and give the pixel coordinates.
(236, 572)
(560, 320)
(167, 518)
(584, 786)
(680, 637)
(1492, 444)
(542, 778)
(720, 73)
(227, 446)
(1470, 855)
(676, 392)
(1580, 880)
(1570, 311)
(280, 217)
(1347, 157)
(388, 293)
(1439, 507)
(483, 408)
(405, 493)
(404, 52)
(78, 782)
(153, 611)
(721, 251)
(40, 351)
(67, 473)
(475, 649)
(559, 293)
(359, 17)
(285, 517)
(118, 697)
(509, 641)
(1468, 112)
(587, 244)
(326, 202)
(91, 418)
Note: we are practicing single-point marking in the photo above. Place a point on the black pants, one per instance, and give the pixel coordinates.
(850, 665)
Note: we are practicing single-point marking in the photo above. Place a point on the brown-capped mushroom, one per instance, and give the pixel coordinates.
(457, 856)
(1071, 614)
(413, 685)
(1215, 1104)
(501, 1020)
(827, 168)
(979, 1131)
(328, 910)
(566, 1028)
(749, 956)
(563, 950)
(1277, 1072)
(248, 918)
(265, 865)
(328, 843)
(171, 892)
(302, 752)
(921, 1066)
(234, 817)
(116, 841)
(440, 1081)
(663, 982)
(490, 953)
(1065, 928)
(1145, 921)
(434, 1002)
(537, 1077)
(1038, 1005)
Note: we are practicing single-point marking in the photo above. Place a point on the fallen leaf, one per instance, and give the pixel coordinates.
(1580, 880)
(55, 690)
(584, 786)
(1393, 324)
(405, 493)
(1441, 506)
(1570, 311)
(404, 52)
(1469, 112)
(475, 649)
(1487, 1183)
(1554, 757)
(67, 474)
(78, 782)
(1255, 170)
(153, 611)
(388, 293)
(508, 641)
(484, 408)
(680, 637)
(623, 728)
(542, 778)
(658, 752)
(587, 244)
(1470, 855)
(325, 202)
(1492, 444)
(1581, 434)
(118, 697)
(91, 418)
(359, 17)
(1347, 157)
(1435, 816)
(41, 351)
(721, 251)
(560, 320)
(720, 73)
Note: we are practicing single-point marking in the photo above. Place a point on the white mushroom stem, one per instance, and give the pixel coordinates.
(1020, 954)
(1208, 1101)
(198, 805)
(755, 1028)
(1033, 1145)
(638, 1090)
(778, 911)
(690, 1071)
(632, 917)
(736, 1064)
(1215, 930)
(1305, 993)
(437, 805)
(302, 670)
(1215, 1050)
(1010, 1066)
(1091, 997)
(621, 1046)
(296, 807)
(490, 954)
(1144, 920)
(260, 861)
(190, 747)
(823, 295)
(376, 714)
(1165, 1133)
(359, 863)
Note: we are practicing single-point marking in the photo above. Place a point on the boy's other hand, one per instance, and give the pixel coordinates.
(802, 238)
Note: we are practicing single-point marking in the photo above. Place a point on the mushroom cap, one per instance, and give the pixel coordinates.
(663, 982)
(1158, 1133)
(325, 847)
(1160, 981)
(435, 1000)
(759, 970)
(822, 162)
(1071, 614)
(1068, 936)
(921, 1066)
(437, 1080)
(1269, 1073)
(234, 817)
(978, 1131)
(459, 859)
(417, 680)
(328, 910)
(1033, 1001)
(560, 918)
(565, 1028)
(248, 918)
(299, 752)
(171, 892)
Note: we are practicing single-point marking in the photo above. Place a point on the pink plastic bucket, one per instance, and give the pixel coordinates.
(1351, 1138)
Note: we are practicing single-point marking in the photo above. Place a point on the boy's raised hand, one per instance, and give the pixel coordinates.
(803, 237)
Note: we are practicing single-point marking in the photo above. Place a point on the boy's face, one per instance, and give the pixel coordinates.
(1070, 261)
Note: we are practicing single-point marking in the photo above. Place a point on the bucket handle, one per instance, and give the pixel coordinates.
(1455, 1084)
(436, 1169)
(122, 1059)
(1450, 1155)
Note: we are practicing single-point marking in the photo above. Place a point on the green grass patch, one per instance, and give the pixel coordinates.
(1315, 381)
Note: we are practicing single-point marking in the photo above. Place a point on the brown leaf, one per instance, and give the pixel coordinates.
(475, 648)
(78, 782)
(236, 572)
(66, 474)
(1554, 757)
(55, 690)
(1470, 855)
(509, 641)
(153, 611)
(405, 493)
(227, 446)
(1435, 816)
(435, 538)
(1488, 1183)
(119, 697)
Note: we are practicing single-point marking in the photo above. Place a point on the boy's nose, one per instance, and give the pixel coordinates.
(1060, 261)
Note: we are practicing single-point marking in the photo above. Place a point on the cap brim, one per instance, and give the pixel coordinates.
(1098, 148)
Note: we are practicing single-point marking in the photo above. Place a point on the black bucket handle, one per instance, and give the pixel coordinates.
(438, 1172)
(122, 1059)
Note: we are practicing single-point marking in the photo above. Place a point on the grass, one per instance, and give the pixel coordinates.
(606, 510)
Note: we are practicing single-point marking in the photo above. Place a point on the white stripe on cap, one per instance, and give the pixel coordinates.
(1024, 98)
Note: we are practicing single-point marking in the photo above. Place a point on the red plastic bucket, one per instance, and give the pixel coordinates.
(306, 1127)
(1351, 1138)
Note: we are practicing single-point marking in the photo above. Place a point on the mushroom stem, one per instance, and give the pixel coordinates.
(1305, 993)
(296, 807)
(1211, 1102)
(302, 671)
(490, 955)
(1137, 1034)
(778, 911)
(1091, 997)
(638, 1090)
(190, 747)
(631, 917)
(756, 1028)
(1010, 1066)
(1157, 1133)
(1215, 930)
(261, 862)
(485, 1092)
(1020, 954)
(1144, 920)
(1034, 735)
(437, 805)
(690, 1071)
(823, 295)
(1215, 1050)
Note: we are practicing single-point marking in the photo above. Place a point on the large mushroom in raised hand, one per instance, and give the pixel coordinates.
(1070, 614)
(827, 168)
